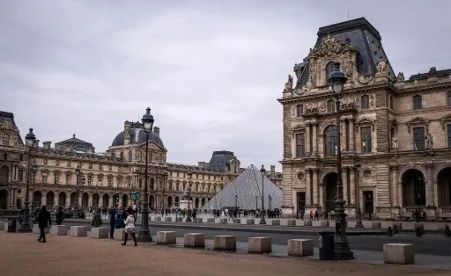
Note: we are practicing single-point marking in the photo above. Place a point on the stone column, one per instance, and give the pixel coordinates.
(351, 135)
(344, 175)
(394, 188)
(430, 186)
(308, 184)
(307, 140)
(352, 186)
(56, 199)
(315, 186)
(90, 200)
(399, 187)
(111, 201)
(343, 134)
(315, 138)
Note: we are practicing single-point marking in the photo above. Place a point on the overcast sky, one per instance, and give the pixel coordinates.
(211, 70)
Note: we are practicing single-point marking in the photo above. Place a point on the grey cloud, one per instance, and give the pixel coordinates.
(210, 70)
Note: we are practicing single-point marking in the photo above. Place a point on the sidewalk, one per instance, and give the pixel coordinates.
(63, 255)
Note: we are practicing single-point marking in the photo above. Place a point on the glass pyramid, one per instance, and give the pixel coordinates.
(245, 193)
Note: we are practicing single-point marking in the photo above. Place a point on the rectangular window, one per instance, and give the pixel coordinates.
(449, 135)
(68, 176)
(331, 106)
(365, 133)
(21, 175)
(418, 138)
(300, 145)
(299, 110)
(365, 102)
(417, 102)
(89, 180)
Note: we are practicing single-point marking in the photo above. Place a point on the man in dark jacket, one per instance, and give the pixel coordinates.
(112, 222)
(44, 220)
(60, 216)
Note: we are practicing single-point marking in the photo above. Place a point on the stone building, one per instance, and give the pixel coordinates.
(107, 180)
(398, 129)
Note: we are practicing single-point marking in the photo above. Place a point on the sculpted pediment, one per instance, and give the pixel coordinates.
(8, 126)
(299, 127)
(152, 146)
(444, 120)
(417, 120)
(330, 47)
(365, 120)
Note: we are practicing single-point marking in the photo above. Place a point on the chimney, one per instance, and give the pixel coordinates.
(36, 143)
(156, 130)
(273, 171)
(127, 127)
(90, 150)
(47, 145)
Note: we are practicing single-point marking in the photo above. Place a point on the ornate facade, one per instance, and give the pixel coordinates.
(107, 180)
(397, 129)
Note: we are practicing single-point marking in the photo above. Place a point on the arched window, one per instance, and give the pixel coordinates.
(417, 102)
(5, 140)
(331, 141)
(365, 102)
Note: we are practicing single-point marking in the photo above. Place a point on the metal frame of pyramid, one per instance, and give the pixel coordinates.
(247, 188)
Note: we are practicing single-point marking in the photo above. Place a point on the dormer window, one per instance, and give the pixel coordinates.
(417, 102)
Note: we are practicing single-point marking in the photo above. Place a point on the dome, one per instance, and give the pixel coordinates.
(137, 136)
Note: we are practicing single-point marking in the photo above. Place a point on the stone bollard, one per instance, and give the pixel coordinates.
(2, 226)
(237, 221)
(36, 229)
(250, 221)
(222, 221)
(5, 226)
(78, 231)
(119, 234)
(259, 244)
(199, 220)
(210, 220)
(59, 230)
(166, 237)
(306, 223)
(100, 233)
(157, 218)
(291, 222)
(320, 223)
(179, 219)
(275, 222)
(194, 240)
(300, 247)
(399, 253)
(375, 225)
(225, 242)
(168, 219)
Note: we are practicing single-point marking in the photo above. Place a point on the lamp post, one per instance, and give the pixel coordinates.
(25, 226)
(165, 183)
(357, 166)
(188, 218)
(263, 172)
(236, 201)
(144, 231)
(337, 79)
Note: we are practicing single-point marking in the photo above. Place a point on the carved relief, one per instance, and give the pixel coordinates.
(365, 80)
(331, 47)
(372, 100)
(382, 67)
(289, 83)
(322, 107)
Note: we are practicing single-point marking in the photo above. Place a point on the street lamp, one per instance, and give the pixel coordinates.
(144, 231)
(30, 138)
(263, 172)
(357, 166)
(236, 201)
(188, 218)
(337, 79)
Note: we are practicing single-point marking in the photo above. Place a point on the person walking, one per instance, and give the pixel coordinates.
(112, 222)
(44, 220)
(130, 227)
(97, 220)
(59, 216)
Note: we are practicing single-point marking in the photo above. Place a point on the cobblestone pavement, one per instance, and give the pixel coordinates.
(21, 254)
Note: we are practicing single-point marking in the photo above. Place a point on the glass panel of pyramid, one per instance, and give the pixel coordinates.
(245, 192)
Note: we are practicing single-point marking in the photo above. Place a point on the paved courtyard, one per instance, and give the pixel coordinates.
(21, 254)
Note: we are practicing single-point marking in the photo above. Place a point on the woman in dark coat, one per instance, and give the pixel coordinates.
(60, 216)
(44, 220)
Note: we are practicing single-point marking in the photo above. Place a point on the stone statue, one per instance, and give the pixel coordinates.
(312, 76)
(428, 141)
(400, 76)
(185, 195)
(289, 83)
(394, 143)
(298, 69)
(382, 66)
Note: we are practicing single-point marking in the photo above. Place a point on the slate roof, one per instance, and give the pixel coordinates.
(360, 34)
(9, 117)
(74, 140)
(247, 188)
(137, 136)
(219, 159)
